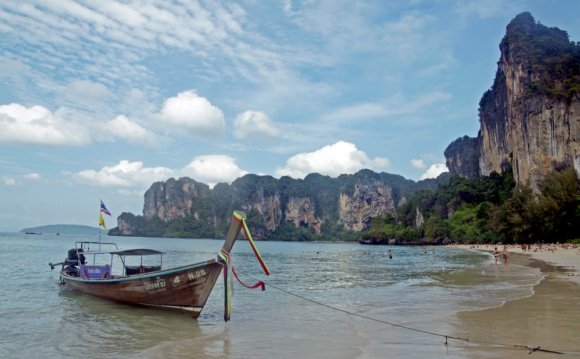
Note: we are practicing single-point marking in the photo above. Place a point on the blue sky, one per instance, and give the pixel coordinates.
(100, 99)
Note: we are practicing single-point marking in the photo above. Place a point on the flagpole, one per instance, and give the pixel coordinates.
(101, 221)
(103, 209)
(100, 216)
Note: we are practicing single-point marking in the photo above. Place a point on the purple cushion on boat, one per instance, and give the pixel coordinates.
(96, 272)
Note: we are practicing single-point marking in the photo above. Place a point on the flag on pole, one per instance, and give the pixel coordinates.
(102, 221)
(104, 209)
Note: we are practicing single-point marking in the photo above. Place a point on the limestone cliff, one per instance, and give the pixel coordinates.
(300, 212)
(367, 201)
(530, 118)
(462, 156)
(277, 208)
(173, 199)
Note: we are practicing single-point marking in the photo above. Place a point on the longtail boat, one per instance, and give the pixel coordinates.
(184, 287)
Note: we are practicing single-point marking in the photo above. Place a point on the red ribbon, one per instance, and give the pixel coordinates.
(258, 283)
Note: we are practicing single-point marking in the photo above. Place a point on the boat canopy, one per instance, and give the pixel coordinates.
(138, 252)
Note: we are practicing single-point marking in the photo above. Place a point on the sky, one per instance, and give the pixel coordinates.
(100, 99)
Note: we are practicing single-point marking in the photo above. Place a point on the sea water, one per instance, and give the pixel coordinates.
(304, 312)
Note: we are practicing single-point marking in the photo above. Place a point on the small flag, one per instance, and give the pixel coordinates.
(102, 221)
(104, 209)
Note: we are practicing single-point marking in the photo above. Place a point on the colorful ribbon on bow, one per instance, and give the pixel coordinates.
(225, 259)
(241, 219)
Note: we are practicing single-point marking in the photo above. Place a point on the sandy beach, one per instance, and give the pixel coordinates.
(567, 260)
(550, 318)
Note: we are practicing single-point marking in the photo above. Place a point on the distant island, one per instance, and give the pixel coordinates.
(62, 229)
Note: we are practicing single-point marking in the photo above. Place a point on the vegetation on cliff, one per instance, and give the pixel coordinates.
(486, 210)
(277, 209)
(546, 52)
(530, 116)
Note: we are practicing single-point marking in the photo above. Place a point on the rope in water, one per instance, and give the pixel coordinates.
(446, 336)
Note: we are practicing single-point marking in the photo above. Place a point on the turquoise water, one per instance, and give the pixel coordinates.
(418, 288)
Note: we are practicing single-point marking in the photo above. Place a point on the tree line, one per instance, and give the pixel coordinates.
(488, 209)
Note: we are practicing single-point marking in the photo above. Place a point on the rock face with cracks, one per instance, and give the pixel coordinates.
(317, 204)
(530, 118)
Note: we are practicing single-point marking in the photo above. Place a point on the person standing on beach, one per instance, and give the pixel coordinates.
(496, 255)
(506, 256)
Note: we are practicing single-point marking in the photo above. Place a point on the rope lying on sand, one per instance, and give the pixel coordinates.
(446, 336)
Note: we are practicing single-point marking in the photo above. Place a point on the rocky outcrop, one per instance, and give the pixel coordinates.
(275, 207)
(173, 199)
(462, 156)
(269, 208)
(419, 218)
(300, 212)
(530, 118)
(127, 225)
(367, 201)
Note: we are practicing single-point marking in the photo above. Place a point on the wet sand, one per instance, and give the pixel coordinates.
(550, 318)
(568, 260)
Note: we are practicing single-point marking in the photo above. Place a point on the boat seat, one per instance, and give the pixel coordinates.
(95, 271)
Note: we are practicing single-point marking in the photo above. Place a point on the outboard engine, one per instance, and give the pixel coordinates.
(72, 254)
(74, 258)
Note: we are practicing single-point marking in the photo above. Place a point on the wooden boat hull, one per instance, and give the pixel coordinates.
(186, 287)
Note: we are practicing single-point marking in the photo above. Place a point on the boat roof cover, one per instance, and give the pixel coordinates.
(137, 252)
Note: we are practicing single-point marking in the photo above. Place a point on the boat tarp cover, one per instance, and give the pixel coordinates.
(138, 252)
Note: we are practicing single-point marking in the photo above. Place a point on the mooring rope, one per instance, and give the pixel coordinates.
(441, 335)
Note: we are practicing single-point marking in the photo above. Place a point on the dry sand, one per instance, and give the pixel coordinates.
(550, 318)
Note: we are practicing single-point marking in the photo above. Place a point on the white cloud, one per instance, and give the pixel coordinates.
(442, 63)
(114, 41)
(213, 169)
(66, 127)
(392, 106)
(121, 12)
(348, 28)
(332, 160)
(88, 92)
(131, 193)
(484, 9)
(31, 177)
(133, 177)
(9, 181)
(358, 112)
(124, 174)
(252, 124)
(37, 125)
(431, 98)
(193, 113)
(434, 171)
(16, 181)
(122, 127)
(420, 164)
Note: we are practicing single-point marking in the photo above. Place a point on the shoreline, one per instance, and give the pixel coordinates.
(549, 318)
(567, 260)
